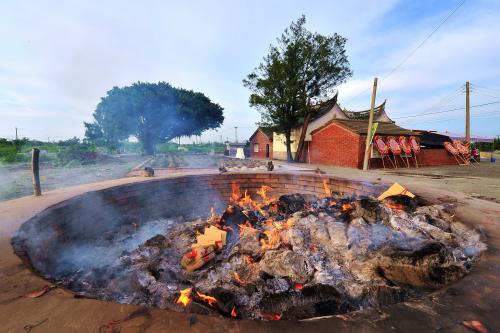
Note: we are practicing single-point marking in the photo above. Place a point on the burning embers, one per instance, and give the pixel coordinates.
(289, 257)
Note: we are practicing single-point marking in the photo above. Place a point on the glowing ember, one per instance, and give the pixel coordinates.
(298, 286)
(185, 297)
(270, 316)
(209, 299)
(233, 312)
(238, 279)
(394, 205)
(249, 260)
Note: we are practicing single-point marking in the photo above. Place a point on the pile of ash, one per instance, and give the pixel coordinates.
(292, 257)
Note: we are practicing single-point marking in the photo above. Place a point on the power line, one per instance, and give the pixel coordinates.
(401, 63)
(485, 115)
(486, 88)
(450, 110)
(425, 40)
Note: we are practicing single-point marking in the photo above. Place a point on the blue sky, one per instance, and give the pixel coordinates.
(58, 58)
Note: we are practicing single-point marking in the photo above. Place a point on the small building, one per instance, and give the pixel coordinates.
(261, 144)
(232, 148)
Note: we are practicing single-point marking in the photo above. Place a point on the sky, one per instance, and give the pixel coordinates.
(58, 58)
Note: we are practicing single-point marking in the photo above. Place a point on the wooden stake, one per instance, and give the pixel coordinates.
(370, 123)
(35, 157)
(467, 115)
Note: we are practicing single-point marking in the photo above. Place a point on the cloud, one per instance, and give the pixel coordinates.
(58, 58)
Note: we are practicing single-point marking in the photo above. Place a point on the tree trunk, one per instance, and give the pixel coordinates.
(148, 145)
(288, 146)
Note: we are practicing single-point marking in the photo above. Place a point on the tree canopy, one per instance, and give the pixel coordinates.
(301, 66)
(153, 113)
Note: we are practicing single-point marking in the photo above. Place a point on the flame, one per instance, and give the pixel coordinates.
(394, 205)
(326, 188)
(185, 297)
(233, 312)
(249, 260)
(211, 219)
(235, 192)
(298, 286)
(332, 203)
(209, 299)
(347, 207)
(270, 316)
(273, 238)
(247, 226)
(263, 194)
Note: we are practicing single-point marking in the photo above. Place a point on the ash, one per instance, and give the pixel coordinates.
(292, 257)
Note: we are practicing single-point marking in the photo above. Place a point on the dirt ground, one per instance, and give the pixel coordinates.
(15, 180)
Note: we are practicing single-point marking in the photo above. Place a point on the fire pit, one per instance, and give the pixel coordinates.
(295, 246)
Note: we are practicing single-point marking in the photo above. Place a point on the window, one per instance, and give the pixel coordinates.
(255, 147)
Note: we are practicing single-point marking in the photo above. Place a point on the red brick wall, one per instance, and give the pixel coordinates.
(433, 157)
(262, 140)
(335, 145)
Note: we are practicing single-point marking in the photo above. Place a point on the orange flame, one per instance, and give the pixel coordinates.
(326, 188)
(247, 226)
(270, 316)
(263, 194)
(347, 207)
(233, 312)
(272, 241)
(209, 299)
(185, 297)
(235, 192)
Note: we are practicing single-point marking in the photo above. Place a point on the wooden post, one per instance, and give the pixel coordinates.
(35, 157)
(467, 115)
(370, 123)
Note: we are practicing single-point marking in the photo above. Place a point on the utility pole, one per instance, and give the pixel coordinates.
(16, 133)
(370, 124)
(236, 134)
(467, 114)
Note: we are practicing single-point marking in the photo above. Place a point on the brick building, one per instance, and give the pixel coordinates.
(337, 136)
(261, 144)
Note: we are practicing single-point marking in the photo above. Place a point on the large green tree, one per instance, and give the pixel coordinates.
(153, 113)
(302, 65)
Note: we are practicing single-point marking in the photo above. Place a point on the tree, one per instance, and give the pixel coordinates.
(303, 65)
(152, 112)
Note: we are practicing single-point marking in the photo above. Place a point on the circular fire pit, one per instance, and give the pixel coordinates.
(330, 250)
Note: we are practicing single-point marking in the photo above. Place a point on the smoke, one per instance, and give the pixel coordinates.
(91, 231)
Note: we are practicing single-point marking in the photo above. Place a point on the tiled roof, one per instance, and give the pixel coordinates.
(364, 115)
(361, 127)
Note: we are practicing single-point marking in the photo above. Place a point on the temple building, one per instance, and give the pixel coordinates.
(337, 136)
